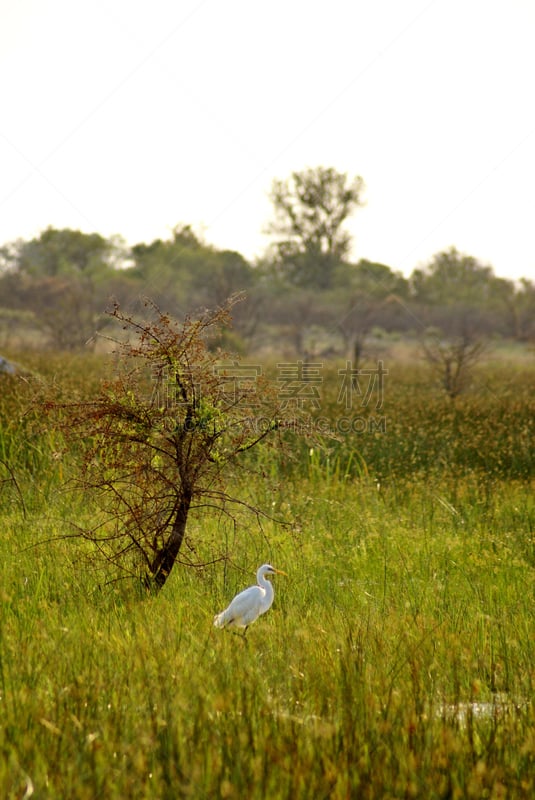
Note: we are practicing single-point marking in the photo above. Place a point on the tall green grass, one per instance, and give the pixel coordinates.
(397, 660)
(418, 430)
(396, 619)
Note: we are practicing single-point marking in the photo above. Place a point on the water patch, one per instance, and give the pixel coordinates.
(500, 706)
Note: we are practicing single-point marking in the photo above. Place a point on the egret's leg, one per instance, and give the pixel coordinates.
(237, 633)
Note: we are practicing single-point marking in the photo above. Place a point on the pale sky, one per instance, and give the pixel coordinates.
(128, 117)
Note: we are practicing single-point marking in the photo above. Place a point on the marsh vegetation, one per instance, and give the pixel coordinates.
(397, 660)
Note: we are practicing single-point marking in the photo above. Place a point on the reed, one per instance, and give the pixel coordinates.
(397, 660)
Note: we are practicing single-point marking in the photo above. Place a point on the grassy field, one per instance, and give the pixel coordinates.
(397, 660)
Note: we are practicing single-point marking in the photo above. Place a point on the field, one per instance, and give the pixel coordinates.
(397, 660)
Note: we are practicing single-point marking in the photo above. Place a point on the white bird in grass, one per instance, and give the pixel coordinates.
(251, 603)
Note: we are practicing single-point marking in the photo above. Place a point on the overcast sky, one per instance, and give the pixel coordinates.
(129, 117)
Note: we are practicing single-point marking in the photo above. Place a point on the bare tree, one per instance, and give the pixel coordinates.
(452, 360)
(160, 437)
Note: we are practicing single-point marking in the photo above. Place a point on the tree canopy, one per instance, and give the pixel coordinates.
(61, 252)
(452, 278)
(310, 209)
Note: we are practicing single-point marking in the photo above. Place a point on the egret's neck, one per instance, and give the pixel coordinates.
(266, 585)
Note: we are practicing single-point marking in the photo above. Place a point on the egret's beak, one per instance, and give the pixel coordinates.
(280, 572)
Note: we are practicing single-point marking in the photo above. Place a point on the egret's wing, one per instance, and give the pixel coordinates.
(243, 610)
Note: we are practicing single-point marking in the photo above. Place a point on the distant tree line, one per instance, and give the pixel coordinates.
(304, 289)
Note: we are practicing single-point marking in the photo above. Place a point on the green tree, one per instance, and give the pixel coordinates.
(167, 266)
(64, 252)
(159, 440)
(185, 272)
(60, 276)
(370, 294)
(310, 209)
(458, 295)
(518, 299)
(452, 278)
(65, 310)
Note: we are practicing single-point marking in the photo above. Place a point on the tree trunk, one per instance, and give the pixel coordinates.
(165, 559)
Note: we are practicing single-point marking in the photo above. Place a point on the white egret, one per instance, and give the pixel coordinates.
(251, 603)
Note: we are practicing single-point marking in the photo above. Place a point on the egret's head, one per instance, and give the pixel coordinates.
(267, 569)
